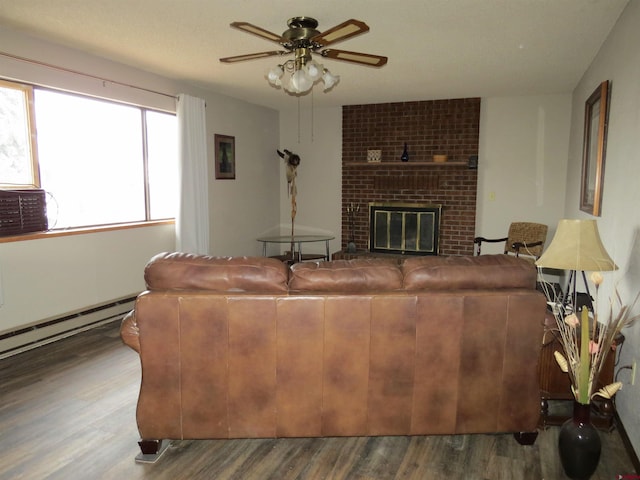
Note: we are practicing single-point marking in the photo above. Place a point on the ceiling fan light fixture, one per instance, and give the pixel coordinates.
(300, 82)
(274, 75)
(314, 70)
(330, 80)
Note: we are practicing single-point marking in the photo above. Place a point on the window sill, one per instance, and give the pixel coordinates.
(83, 230)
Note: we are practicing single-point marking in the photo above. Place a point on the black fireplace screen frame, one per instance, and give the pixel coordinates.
(404, 228)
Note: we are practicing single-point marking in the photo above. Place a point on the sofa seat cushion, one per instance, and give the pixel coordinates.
(481, 272)
(184, 271)
(345, 276)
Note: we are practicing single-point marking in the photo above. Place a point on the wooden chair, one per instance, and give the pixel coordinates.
(524, 238)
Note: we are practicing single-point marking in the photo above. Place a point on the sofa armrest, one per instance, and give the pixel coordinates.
(129, 331)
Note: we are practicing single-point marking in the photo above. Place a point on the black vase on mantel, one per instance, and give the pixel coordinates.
(405, 154)
(579, 444)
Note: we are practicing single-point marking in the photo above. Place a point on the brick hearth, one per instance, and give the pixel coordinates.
(449, 127)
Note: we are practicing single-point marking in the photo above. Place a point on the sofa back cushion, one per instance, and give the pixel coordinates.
(481, 272)
(346, 276)
(184, 271)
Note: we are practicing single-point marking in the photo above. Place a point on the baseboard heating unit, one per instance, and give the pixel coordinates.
(52, 329)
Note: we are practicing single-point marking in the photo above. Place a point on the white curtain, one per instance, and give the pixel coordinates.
(192, 223)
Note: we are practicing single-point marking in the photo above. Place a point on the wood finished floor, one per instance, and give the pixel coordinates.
(67, 411)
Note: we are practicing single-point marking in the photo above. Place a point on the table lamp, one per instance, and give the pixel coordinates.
(576, 246)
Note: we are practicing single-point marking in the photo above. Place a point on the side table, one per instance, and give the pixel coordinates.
(296, 254)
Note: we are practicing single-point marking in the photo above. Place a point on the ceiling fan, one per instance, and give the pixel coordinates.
(302, 39)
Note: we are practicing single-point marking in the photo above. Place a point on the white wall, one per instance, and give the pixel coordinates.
(618, 61)
(242, 209)
(47, 277)
(50, 277)
(318, 141)
(524, 144)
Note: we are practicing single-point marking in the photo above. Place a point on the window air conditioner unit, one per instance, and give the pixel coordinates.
(22, 211)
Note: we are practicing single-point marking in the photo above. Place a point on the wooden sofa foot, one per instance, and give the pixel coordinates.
(526, 438)
(151, 450)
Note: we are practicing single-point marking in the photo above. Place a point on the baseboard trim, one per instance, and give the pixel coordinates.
(53, 329)
(627, 443)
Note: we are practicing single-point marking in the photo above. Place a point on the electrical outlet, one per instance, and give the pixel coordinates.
(633, 372)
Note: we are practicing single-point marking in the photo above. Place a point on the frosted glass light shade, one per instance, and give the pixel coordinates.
(314, 71)
(577, 246)
(274, 75)
(300, 76)
(329, 79)
(300, 82)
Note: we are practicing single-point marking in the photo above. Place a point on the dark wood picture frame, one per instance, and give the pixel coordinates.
(596, 118)
(225, 148)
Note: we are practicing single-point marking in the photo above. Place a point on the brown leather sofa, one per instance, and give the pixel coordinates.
(248, 347)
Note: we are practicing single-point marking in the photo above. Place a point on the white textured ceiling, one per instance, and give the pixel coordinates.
(436, 48)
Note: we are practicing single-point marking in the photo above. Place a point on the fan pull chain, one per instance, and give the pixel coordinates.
(298, 120)
(312, 117)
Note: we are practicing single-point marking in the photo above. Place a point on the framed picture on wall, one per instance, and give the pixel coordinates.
(225, 157)
(594, 148)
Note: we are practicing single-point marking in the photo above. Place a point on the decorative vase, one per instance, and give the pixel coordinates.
(405, 154)
(579, 444)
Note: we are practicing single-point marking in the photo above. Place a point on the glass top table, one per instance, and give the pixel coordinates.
(297, 240)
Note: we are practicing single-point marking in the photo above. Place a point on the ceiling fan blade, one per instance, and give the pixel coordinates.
(355, 57)
(345, 30)
(252, 56)
(261, 32)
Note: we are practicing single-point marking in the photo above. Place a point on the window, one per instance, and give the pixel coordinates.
(18, 157)
(162, 154)
(102, 162)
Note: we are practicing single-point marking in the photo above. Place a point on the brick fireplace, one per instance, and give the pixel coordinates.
(438, 127)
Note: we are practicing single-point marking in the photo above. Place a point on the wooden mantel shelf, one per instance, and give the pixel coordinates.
(405, 164)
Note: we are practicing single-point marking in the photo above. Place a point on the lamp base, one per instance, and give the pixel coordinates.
(577, 300)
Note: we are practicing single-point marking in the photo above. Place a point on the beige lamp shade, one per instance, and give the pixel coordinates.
(577, 246)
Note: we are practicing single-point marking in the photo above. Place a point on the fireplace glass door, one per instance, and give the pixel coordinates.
(404, 228)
